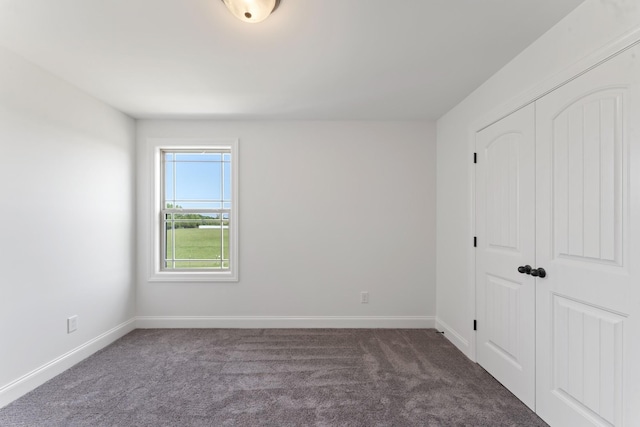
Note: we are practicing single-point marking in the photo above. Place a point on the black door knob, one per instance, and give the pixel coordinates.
(538, 272)
(526, 269)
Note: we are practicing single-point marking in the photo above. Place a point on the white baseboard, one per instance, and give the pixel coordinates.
(412, 322)
(453, 336)
(37, 377)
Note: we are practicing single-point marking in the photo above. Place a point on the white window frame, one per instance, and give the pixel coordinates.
(158, 274)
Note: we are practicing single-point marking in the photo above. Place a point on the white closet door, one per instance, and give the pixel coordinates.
(588, 241)
(505, 228)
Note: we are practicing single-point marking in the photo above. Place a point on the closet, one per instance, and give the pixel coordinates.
(558, 249)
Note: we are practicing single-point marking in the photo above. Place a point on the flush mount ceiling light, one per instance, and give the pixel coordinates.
(252, 11)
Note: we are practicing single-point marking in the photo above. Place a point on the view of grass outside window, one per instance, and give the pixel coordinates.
(196, 209)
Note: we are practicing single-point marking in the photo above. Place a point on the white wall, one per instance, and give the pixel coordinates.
(67, 213)
(591, 26)
(327, 210)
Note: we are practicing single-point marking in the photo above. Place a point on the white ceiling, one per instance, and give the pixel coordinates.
(312, 59)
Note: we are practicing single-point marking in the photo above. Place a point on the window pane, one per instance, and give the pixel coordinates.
(227, 180)
(168, 246)
(198, 157)
(225, 240)
(168, 182)
(196, 240)
(197, 243)
(198, 180)
(197, 205)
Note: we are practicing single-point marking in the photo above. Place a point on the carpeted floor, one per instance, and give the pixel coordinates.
(273, 377)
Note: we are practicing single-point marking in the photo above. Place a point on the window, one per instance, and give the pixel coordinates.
(196, 211)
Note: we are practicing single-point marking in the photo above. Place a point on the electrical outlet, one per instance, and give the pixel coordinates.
(72, 324)
(364, 297)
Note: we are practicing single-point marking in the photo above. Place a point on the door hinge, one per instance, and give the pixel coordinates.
(475, 325)
(475, 242)
(475, 157)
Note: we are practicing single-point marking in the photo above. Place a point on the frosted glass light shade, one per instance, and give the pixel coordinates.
(252, 11)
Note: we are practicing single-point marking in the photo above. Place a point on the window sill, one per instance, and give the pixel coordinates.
(193, 276)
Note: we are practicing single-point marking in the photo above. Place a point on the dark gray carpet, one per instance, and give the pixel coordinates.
(273, 377)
